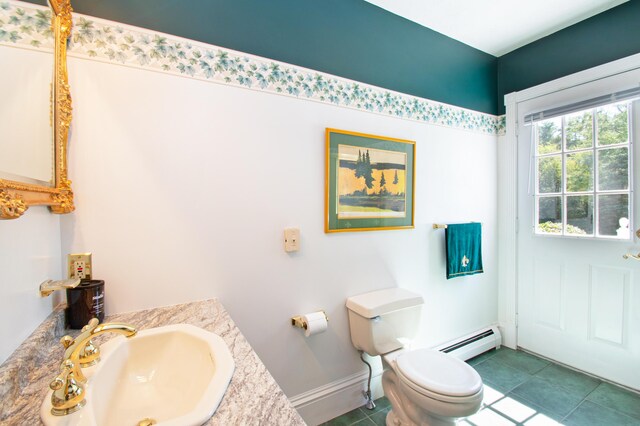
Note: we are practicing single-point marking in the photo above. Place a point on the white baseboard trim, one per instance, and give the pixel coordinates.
(336, 398)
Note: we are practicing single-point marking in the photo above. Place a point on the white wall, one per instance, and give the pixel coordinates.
(29, 254)
(183, 189)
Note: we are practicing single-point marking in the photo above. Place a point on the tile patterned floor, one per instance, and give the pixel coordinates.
(524, 390)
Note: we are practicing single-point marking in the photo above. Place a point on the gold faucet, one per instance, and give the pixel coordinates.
(68, 387)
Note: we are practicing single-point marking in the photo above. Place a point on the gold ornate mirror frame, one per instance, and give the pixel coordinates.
(17, 197)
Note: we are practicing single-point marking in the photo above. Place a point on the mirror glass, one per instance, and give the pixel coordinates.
(26, 136)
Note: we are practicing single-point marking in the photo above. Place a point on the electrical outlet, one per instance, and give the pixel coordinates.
(79, 265)
(291, 239)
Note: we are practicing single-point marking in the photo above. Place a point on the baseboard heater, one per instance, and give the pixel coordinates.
(473, 344)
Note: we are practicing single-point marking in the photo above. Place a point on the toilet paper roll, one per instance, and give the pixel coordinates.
(316, 323)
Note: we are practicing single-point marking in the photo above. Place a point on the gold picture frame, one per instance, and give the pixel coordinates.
(16, 197)
(369, 182)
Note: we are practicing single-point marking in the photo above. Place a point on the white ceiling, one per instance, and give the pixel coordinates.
(496, 26)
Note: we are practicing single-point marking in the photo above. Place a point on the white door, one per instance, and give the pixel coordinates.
(578, 299)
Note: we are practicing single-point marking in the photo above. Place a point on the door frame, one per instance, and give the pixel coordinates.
(508, 187)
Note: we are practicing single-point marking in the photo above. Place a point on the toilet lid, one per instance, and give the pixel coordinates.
(439, 372)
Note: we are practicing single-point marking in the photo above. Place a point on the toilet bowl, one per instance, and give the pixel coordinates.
(425, 387)
(428, 387)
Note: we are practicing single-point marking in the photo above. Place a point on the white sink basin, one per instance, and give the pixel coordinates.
(173, 375)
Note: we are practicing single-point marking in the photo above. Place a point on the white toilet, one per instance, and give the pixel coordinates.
(424, 386)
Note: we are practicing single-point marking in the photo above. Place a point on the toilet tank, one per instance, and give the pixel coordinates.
(384, 320)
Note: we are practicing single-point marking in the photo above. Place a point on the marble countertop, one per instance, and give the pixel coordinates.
(252, 398)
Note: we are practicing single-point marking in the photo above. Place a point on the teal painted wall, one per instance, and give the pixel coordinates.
(348, 38)
(603, 38)
(357, 40)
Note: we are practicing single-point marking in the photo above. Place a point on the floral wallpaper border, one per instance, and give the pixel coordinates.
(27, 25)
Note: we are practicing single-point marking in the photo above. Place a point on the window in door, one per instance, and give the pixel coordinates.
(583, 173)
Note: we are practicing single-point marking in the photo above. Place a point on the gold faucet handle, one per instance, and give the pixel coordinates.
(68, 393)
(67, 341)
(61, 379)
(90, 354)
(93, 323)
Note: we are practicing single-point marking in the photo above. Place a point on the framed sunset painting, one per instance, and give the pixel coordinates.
(369, 182)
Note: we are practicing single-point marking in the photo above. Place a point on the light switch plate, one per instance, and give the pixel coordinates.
(79, 265)
(291, 239)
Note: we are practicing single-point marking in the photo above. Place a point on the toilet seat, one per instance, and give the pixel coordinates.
(438, 375)
(425, 393)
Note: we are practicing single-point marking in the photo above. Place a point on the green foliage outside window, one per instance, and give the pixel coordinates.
(550, 136)
(579, 171)
(550, 174)
(579, 130)
(556, 228)
(612, 125)
(599, 136)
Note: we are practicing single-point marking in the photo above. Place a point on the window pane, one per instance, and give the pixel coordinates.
(549, 174)
(613, 169)
(549, 136)
(549, 215)
(580, 215)
(612, 124)
(579, 168)
(579, 130)
(613, 211)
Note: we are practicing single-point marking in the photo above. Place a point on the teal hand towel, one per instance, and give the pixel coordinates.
(463, 245)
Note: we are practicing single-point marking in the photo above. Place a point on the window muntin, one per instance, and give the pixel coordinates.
(583, 173)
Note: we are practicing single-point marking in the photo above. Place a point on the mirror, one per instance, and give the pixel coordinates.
(33, 160)
(26, 138)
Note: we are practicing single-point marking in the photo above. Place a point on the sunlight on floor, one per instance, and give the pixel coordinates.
(512, 408)
(499, 410)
